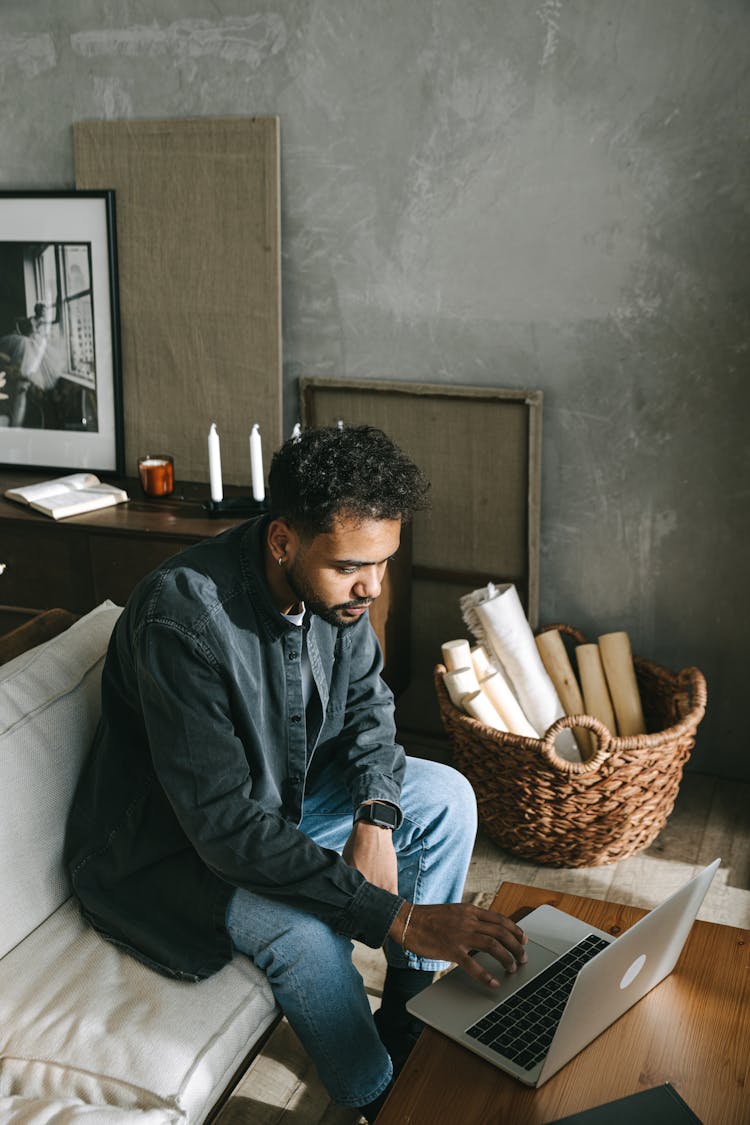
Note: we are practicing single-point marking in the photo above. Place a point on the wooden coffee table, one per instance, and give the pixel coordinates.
(692, 1030)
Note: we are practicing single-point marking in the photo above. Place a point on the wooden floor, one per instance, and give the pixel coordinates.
(711, 818)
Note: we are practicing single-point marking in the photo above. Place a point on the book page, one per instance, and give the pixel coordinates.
(79, 500)
(48, 488)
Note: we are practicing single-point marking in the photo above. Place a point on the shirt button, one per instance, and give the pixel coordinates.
(295, 718)
(291, 656)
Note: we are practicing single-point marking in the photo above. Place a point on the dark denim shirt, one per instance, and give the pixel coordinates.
(196, 779)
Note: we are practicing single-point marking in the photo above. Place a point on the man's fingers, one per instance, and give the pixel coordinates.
(493, 921)
(508, 960)
(503, 939)
(473, 969)
(452, 932)
(509, 954)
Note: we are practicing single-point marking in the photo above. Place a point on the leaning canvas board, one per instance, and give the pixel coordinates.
(200, 282)
(480, 447)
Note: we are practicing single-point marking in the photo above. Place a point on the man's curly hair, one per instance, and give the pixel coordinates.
(355, 471)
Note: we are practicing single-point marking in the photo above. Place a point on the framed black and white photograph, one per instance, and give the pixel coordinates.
(60, 375)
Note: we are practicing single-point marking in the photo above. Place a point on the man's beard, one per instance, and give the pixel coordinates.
(302, 589)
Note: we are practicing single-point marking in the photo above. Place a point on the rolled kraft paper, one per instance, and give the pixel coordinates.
(555, 659)
(456, 654)
(617, 659)
(460, 682)
(507, 706)
(476, 704)
(508, 638)
(596, 700)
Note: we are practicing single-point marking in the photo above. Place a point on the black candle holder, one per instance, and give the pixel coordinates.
(235, 506)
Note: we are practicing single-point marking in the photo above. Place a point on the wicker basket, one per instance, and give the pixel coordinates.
(581, 814)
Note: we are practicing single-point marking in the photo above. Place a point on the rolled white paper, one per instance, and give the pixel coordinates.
(477, 705)
(483, 666)
(496, 616)
(507, 706)
(495, 686)
(214, 464)
(256, 463)
(460, 682)
(456, 654)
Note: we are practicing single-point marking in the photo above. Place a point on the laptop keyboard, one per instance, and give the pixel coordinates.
(522, 1027)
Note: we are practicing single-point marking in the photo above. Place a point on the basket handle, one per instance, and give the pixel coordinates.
(603, 736)
(696, 681)
(569, 630)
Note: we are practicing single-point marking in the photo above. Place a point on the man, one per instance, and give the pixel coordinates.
(245, 790)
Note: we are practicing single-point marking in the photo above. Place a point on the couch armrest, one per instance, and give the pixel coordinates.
(43, 627)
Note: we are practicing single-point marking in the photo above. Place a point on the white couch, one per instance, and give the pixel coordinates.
(86, 1032)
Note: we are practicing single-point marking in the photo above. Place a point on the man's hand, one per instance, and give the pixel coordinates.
(370, 849)
(452, 932)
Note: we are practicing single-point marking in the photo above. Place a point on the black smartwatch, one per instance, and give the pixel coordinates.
(378, 812)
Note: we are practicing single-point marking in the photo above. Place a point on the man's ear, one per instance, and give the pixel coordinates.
(281, 539)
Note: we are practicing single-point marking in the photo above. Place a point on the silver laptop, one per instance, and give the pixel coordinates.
(578, 980)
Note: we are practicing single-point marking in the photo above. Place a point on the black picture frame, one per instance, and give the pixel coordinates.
(60, 361)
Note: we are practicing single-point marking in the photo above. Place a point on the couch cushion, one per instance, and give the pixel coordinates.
(81, 1019)
(49, 707)
(72, 1111)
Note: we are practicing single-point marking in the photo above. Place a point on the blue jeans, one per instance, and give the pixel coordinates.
(309, 966)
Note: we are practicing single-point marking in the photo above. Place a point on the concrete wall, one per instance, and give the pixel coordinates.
(545, 194)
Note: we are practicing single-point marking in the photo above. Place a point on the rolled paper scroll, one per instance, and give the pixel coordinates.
(555, 659)
(497, 620)
(477, 705)
(483, 666)
(496, 688)
(594, 686)
(460, 682)
(456, 654)
(617, 659)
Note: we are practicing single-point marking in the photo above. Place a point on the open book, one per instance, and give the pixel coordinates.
(68, 496)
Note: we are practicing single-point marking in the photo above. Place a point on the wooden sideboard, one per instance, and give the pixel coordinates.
(77, 562)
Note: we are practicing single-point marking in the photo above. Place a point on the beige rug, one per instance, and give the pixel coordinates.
(643, 880)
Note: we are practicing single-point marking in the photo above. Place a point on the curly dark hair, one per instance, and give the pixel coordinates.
(352, 470)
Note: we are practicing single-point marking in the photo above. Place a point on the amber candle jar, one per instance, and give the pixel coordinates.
(156, 471)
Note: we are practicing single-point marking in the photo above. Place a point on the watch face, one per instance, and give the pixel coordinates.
(378, 812)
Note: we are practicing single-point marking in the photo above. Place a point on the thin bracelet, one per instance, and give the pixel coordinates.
(406, 927)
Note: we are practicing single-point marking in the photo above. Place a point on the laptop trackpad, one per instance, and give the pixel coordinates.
(556, 930)
(539, 958)
(458, 1000)
(550, 932)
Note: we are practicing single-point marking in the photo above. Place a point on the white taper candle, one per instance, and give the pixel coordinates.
(256, 463)
(214, 464)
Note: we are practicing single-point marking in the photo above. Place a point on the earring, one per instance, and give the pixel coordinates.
(281, 560)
